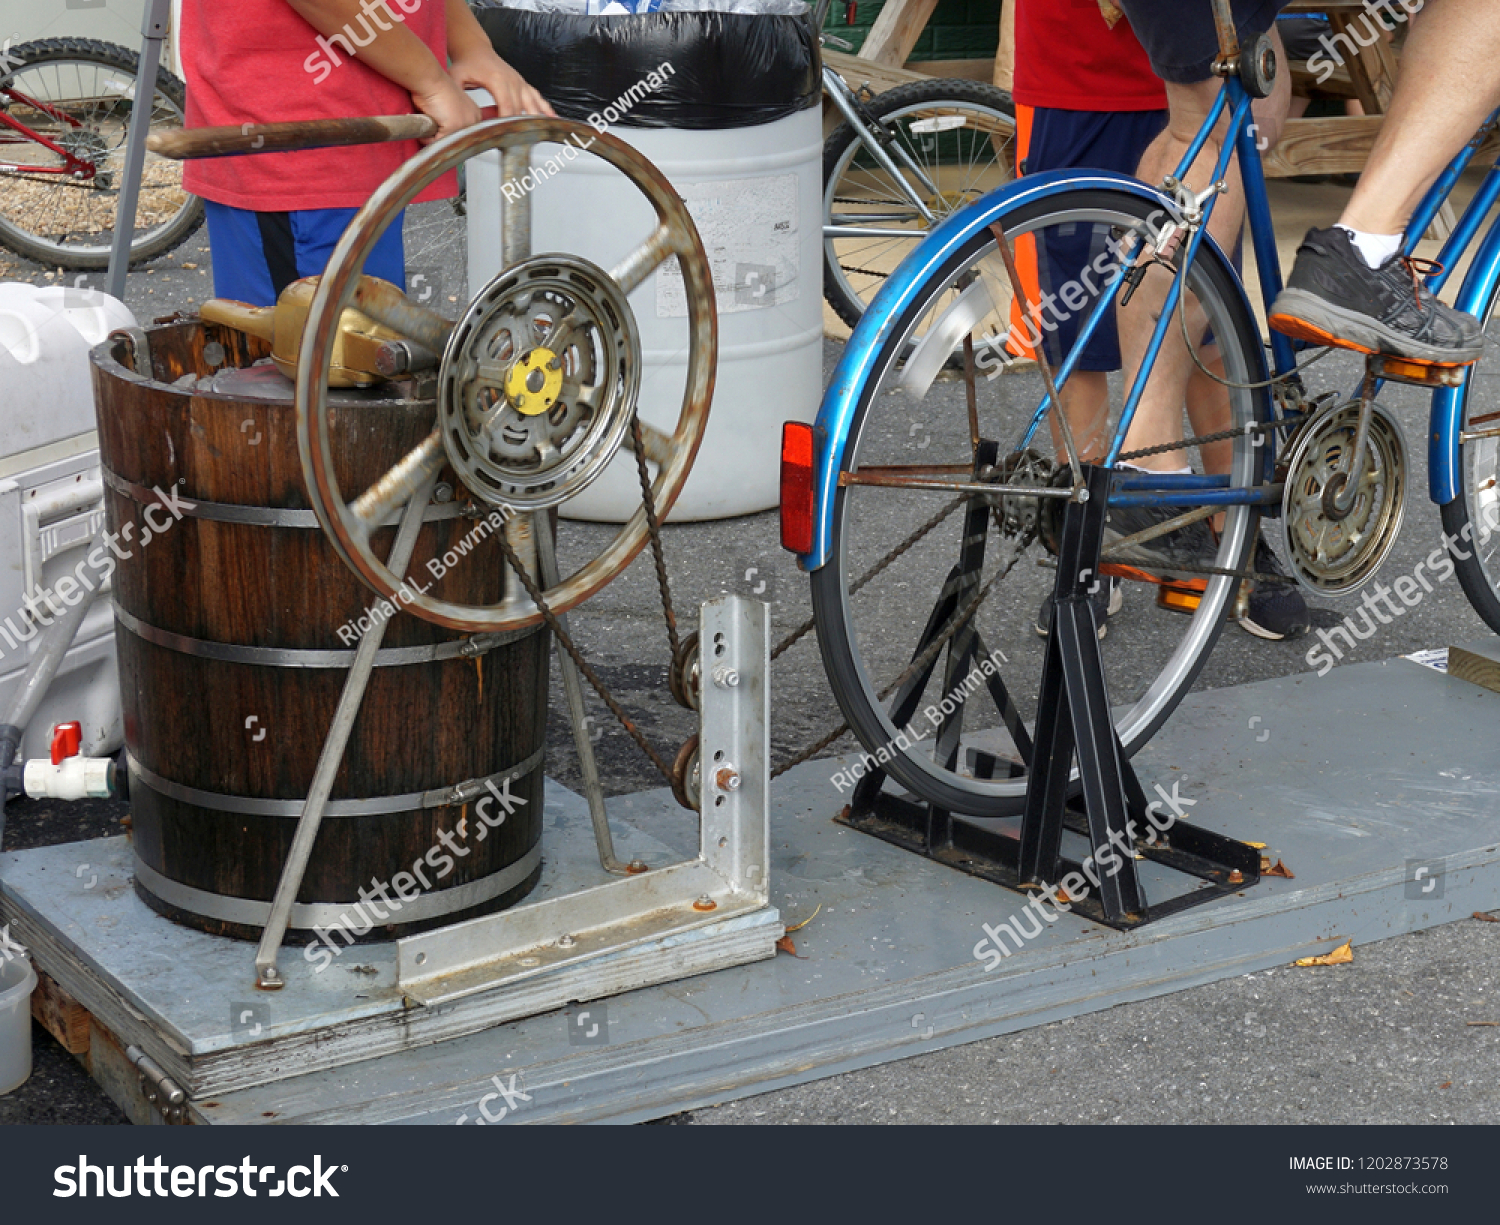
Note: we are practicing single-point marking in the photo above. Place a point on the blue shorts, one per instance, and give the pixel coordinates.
(1074, 140)
(1086, 140)
(1180, 37)
(257, 255)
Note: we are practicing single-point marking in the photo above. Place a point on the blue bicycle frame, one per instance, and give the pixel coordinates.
(836, 415)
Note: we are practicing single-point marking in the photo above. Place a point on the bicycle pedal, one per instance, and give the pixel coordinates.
(1417, 374)
(1181, 595)
(1130, 574)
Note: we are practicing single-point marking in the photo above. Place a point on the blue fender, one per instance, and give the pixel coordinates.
(1448, 402)
(836, 413)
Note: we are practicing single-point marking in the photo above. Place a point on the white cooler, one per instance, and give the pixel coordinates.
(51, 502)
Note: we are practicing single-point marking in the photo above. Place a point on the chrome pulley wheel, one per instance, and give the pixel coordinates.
(1339, 527)
(536, 391)
(539, 382)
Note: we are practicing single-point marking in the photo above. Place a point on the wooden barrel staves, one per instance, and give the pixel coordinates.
(237, 623)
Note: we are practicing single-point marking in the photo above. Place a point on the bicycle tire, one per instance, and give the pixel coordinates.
(849, 287)
(1472, 519)
(845, 644)
(102, 134)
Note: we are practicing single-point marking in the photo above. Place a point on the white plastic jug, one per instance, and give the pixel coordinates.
(17, 982)
(46, 333)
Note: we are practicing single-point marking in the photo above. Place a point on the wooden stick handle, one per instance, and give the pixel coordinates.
(181, 144)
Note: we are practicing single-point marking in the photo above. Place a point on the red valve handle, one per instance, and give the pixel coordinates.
(67, 739)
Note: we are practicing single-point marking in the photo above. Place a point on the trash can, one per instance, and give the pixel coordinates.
(726, 104)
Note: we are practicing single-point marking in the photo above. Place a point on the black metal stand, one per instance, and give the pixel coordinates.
(1073, 720)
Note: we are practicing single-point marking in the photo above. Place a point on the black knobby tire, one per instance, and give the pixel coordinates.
(843, 146)
(857, 693)
(18, 223)
(1472, 519)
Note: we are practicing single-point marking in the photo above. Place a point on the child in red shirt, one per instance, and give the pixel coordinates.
(275, 217)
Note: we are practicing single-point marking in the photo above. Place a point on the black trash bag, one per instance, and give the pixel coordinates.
(727, 70)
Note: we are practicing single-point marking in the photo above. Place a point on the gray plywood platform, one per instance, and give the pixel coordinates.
(1355, 780)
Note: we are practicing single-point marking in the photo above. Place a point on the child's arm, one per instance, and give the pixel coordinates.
(474, 64)
(400, 56)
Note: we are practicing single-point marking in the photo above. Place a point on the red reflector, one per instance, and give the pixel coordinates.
(797, 449)
(67, 738)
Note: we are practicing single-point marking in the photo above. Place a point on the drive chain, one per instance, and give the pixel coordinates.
(566, 641)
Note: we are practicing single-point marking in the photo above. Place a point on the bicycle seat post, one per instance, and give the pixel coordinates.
(1229, 38)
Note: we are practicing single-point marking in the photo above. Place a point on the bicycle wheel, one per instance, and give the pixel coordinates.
(960, 134)
(58, 208)
(965, 746)
(1473, 517)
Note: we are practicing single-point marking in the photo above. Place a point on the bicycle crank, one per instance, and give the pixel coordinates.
(1341, 511)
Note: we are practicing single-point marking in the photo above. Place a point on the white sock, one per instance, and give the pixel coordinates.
(1375, 248)
(1187, 471)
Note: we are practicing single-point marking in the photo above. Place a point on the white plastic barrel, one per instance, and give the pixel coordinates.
(754, 194)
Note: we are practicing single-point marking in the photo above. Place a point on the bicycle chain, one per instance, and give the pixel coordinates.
(565, 640)
(792, 638)
(1242, 431)
(648, 500)
(928, 654)
(960, 618)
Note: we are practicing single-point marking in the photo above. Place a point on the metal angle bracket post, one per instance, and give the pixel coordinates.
(721, 895)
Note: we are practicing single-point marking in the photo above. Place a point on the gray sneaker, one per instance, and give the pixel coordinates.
(1334, 298)
(1276, 609)
(1183, 553)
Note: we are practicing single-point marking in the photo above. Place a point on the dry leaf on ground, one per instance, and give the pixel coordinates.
(1340, 956)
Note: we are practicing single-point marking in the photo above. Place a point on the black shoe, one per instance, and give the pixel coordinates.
(1107, 601)
(1178, 554)
(1334, 298)
(1276, 610)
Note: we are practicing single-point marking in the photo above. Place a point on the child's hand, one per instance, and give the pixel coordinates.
(448, 106)
(483, 69)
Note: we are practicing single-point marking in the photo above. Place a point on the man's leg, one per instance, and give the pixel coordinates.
(1085, 403)
(1158, 419)
(1348, 286)
(1275, 608)
(1449, 83)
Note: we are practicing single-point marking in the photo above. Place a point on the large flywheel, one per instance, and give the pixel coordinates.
(538, 380)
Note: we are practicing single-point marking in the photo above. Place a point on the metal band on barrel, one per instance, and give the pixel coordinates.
(257, 516)
(254, 806)
(297, 657)
(309, 915)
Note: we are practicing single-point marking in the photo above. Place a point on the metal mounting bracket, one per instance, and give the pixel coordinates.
(695, 899)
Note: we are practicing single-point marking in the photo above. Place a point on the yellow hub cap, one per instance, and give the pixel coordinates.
(534, 381)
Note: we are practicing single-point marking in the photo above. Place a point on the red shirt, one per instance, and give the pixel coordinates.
(258, 61)
(1069, 59)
